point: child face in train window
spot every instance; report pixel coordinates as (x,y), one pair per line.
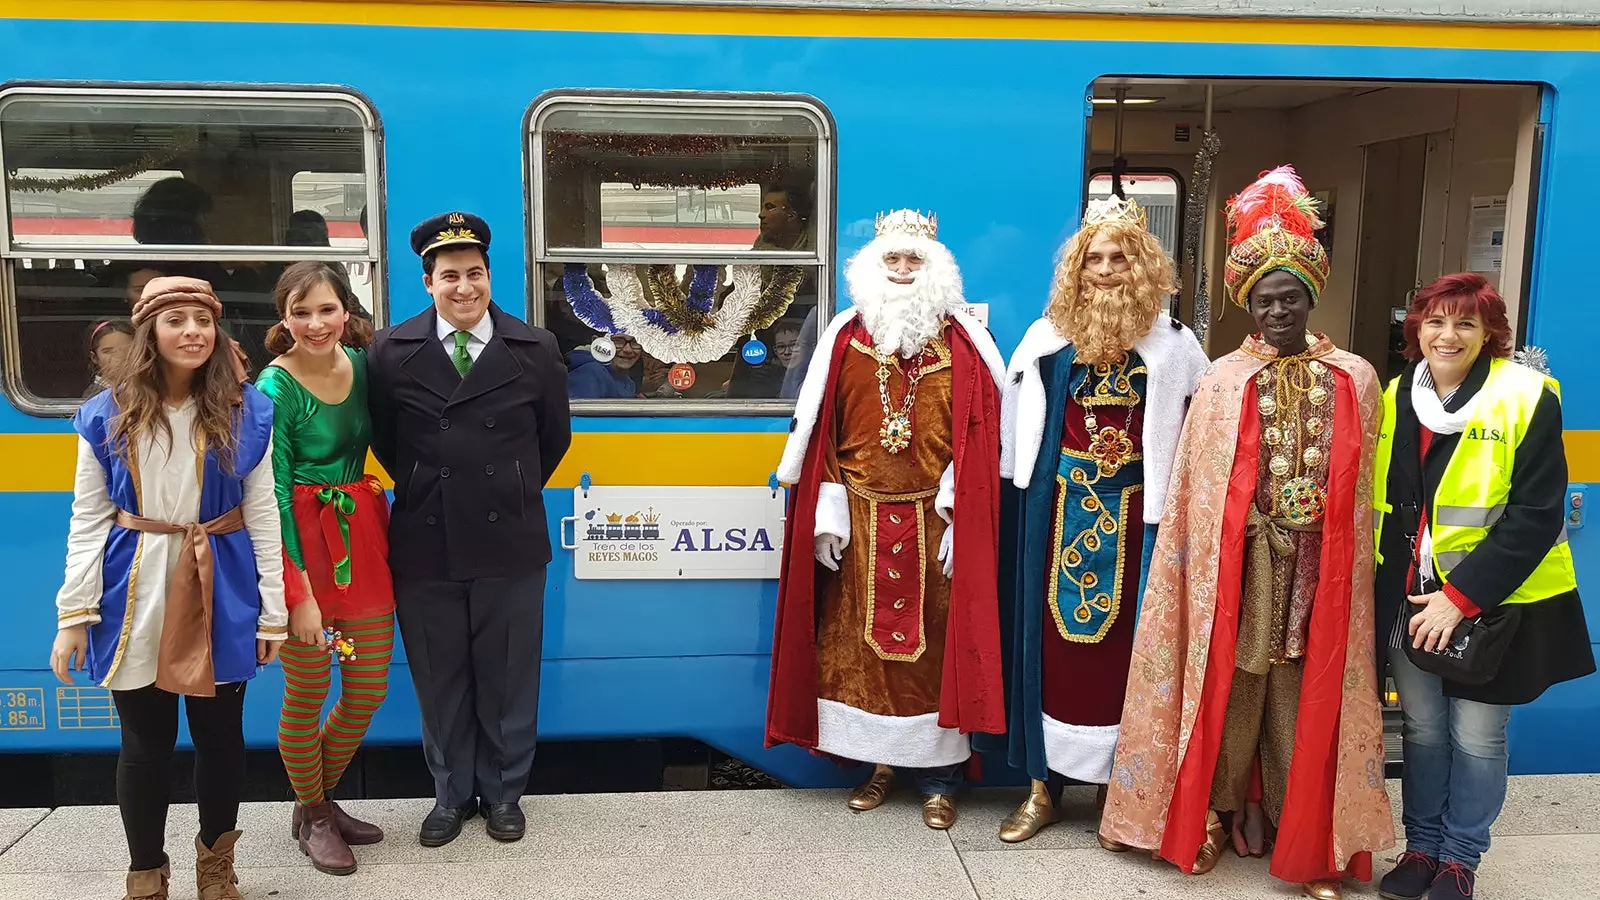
(110,349)
(628,352)
(185,336)
(136,282)
(317,319)
(786,347)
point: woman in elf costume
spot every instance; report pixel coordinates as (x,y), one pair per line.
(336,574)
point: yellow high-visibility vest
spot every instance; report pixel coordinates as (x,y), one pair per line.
(1476,484)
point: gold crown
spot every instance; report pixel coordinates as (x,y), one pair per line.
(652,515)
(613,517)
(1114,210)
(905,221)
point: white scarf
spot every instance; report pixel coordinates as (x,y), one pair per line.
(1431,413)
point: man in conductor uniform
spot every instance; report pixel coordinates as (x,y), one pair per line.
(469,415)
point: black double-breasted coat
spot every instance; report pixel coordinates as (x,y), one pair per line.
(469,456)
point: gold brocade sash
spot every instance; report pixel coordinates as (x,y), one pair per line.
(1264,602)
(183,663)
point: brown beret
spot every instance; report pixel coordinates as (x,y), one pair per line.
(173,290)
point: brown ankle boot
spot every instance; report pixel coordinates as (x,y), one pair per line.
(213,868)
(320,840)
(355,832)
(148,884)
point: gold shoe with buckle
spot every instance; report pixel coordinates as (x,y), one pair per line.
(1211,850)
(1322,890)
(938,812)
(1035,813)
(872,794)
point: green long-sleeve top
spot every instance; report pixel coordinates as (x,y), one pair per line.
(315,442)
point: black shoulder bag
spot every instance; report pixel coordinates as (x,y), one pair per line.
(1476,648)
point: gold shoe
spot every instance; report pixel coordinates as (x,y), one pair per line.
(938,812)
(1113,846)
(872,794)
(1322,890)
(1035,813)
(1211,850)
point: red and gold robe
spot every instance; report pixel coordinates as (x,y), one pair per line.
(887,660)
(1336,811)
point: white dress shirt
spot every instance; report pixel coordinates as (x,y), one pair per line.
(169,492)
(480,335)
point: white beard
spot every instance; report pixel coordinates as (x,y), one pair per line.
(903,318)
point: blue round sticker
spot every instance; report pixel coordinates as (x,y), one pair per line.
(754,352)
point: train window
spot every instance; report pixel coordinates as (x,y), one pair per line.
(106,187)
(680,246)
(1159,191)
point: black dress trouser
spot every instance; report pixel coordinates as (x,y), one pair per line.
(149,719)
(474,650)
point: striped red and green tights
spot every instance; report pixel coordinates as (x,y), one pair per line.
(315,753)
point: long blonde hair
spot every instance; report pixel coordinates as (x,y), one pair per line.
(138,388)
(1103,329)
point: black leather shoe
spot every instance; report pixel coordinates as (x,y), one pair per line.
(1410,878)
(444,824)
(505,821)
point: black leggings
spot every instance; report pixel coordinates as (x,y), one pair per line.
(149,732)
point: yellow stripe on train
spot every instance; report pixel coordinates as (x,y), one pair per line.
(789,22)
(43,462)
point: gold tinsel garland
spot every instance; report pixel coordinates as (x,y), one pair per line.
(153,160)
(608,154)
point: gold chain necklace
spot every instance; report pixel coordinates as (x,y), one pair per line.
(895,433)
(1111,447)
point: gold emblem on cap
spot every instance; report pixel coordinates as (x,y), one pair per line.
(454,234)
(457,219)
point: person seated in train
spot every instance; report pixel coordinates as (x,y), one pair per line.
(336,546)
(307,228)
(1251,691)
(108,343)
(174,572)
(1470,487)
(1094,401)
(589,378)
(470,417)
(764,380)
(887,640)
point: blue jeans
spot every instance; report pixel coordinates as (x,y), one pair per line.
(1453,781)
(938,780)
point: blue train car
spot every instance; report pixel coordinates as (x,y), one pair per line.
(186,135)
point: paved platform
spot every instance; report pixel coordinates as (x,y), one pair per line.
(741,845)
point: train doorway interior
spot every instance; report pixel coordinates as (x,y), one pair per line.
(1416,180)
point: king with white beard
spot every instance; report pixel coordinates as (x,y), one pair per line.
(887,645)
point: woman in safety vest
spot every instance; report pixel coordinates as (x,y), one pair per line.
(1470,480)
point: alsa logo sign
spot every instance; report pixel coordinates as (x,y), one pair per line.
(700,532)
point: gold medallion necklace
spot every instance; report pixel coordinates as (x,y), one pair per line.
(895,433)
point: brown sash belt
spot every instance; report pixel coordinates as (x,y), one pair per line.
(183,663)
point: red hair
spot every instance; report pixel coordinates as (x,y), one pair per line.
(1462,294)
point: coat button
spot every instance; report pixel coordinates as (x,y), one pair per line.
(444,472)
(494,516)
(488,470)
(489,422)
(432,521)
(444,424)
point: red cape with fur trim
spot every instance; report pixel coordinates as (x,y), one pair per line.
(971,696)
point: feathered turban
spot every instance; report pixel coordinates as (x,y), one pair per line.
(1273,224)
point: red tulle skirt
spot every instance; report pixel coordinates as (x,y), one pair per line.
(360,588)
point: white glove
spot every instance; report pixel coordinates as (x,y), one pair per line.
(946,548)
(829,550)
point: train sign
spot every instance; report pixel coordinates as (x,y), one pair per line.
(628,532)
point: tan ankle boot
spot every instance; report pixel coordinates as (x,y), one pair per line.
(148,884)
(214,878)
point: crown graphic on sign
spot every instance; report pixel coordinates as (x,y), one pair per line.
(652,515)
(613,517)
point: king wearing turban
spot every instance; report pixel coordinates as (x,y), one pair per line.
(1251,704)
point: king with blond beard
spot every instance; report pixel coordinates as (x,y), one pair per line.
(1094,402)
(887,643)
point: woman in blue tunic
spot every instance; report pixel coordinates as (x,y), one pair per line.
(174,572)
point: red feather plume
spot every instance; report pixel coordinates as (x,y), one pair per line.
(1277,198)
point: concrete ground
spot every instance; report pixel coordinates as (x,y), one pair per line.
(788,844)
